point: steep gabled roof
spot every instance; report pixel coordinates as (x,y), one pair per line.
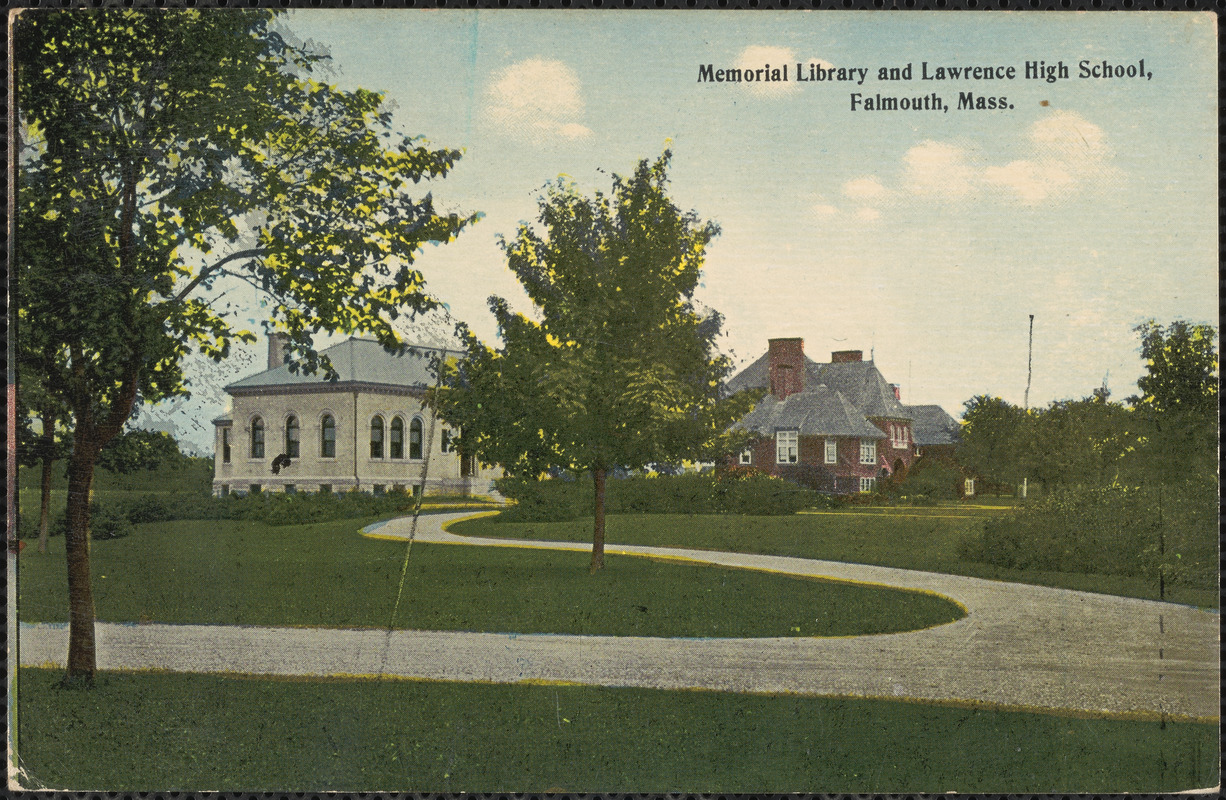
(817,411)
(932,426)
(859,382)
(862,384)
(757,375)
(356,361)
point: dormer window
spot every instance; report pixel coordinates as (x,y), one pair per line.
(746,457)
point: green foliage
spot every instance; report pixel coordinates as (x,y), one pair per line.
(136,157)
(996,439)
(1181,368)
(621,370)
(141,450)
(1111,530)
(106,521)
(931,479)
(736,491)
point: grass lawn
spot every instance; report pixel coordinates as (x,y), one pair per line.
(325,574)
(158,731)
(911,538)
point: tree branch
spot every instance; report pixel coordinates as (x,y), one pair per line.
(208,271)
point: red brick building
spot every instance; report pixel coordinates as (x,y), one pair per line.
(839,427)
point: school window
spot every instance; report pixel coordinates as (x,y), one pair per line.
(225,445)
(380,488)
(225,490)
(445,445)
(291,437)
(327,437)
(325,488)
(868,452)
(747,456)
(257,438)
(415,438)
(291,488)
(868,484)
(787,447)
(396,440)
(255,488)
(832,451)
(376,437)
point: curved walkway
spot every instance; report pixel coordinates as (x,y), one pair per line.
(1021,646)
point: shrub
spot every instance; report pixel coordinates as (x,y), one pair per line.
(27,526)
(147,508)
(1112,530)
(105,522)
(929,480)
(736,490)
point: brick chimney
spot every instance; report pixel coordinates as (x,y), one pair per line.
(897,391)
(278,345)
(846,356)
(787,367)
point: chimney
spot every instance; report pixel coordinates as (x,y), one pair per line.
(846,356)
(897,391)
(787,367)
(278,346)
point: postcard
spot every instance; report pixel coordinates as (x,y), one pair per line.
(477,400)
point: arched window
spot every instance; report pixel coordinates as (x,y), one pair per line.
(257,438)
(291,437)
(327,437)
(396,443)
(376,437)
(415,438)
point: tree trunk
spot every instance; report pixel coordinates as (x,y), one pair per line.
(44,510)
(81,657)
(598,534)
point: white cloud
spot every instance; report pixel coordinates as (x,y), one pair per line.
(1067,152)
(938,169)
(573,130)
(866,189)
(826,212)
(537,98)
(759,56)
(1062,153)
(1030,181)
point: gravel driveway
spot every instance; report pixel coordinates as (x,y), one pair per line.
(1019,645)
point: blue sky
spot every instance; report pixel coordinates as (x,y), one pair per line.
(926,237)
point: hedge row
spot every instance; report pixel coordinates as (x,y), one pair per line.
(1113,530)
(117,514)
(734,491)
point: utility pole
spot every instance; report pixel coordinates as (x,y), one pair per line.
(1026,397)
(1029,362)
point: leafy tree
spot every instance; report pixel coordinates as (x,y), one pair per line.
(1178,402)
(141,450)
(1181,368)
(163,152)
(618,368)
(996,439)
(1082,442)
